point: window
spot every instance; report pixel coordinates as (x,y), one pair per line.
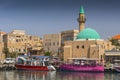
(83,46)
(16,40)
(49,44)
(30,37)
(77,46)
(45,44)
(53,43)
(57,43)
(19,50)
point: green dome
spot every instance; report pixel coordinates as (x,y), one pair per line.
(88,33)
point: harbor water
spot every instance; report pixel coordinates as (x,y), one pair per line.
(53,75)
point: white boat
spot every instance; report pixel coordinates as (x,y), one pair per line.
(117,65)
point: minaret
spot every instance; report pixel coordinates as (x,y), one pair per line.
(81,19)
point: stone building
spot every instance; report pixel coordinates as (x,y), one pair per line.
(68,35)
(114,54)
(87,44)
(111,56)
(2,55)
(18,41)
(116,41)
(52,43)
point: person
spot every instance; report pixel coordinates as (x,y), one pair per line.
(35,63)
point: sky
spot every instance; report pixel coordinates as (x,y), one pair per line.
(40,17)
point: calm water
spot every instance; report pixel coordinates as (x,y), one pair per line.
(40,75)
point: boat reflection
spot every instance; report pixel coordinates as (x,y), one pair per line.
(112,76)
(80,76)
(36,75)
(53,75)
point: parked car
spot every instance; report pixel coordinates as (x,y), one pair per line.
(9,61)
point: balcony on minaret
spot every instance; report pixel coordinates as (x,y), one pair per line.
(82,19)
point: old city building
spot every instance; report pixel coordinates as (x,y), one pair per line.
(18,41)
(52,43)
(68,35)
(55,42)
(87,44)
(114,54)
(116,41)
(2,55)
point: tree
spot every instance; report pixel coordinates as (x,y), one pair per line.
(47,53)
(6,51)
(13,54)
(115,42)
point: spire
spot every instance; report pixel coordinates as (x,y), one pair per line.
(81,10)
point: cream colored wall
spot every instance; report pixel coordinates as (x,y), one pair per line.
(68,51)
(51,41)
(92,49)
(20,42)
(1,47)
(2,55)
(69,33)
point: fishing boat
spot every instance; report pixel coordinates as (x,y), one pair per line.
(82,65)
(39,63)
(116,65)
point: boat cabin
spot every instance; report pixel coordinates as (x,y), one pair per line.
(82,61)
(33,61)
(117,62)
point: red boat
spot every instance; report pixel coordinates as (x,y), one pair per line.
(39,63)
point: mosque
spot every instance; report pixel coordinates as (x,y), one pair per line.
(87,44)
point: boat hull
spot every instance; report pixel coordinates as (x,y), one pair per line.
(28,67)
(117,68)
(80,68)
